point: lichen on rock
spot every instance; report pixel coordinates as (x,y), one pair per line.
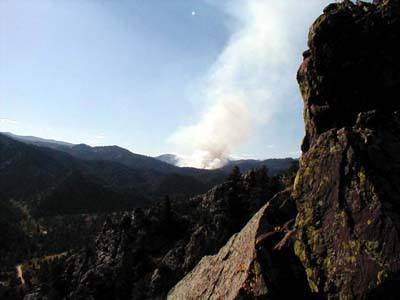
(347,188)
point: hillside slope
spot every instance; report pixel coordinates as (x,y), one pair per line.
(30,173)
(143,254)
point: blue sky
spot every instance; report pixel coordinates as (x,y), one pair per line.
(134,72)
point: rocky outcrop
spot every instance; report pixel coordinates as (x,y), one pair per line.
(256,263)
(352,65)
(146,253)
(347,189)
(228,274)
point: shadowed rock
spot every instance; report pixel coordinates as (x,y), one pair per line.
(347,189)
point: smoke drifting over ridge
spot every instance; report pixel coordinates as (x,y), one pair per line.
(244,88)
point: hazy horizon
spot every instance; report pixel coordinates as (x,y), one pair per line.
(198,79)
(232,157)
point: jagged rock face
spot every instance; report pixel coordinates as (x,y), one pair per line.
(250,266)
(347,189)
(352,65)
(144,255)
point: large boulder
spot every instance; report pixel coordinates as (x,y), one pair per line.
(347,190)
(256,263)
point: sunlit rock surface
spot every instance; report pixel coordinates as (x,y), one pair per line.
(253,264)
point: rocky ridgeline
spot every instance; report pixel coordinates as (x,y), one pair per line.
(146,253)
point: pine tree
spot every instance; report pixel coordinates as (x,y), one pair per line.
(235,174)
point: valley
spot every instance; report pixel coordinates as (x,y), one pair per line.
(56,197)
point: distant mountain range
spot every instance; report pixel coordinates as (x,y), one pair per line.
(274,165)
(56,178)
(124,156)
(171,159)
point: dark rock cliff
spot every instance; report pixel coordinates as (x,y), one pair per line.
(347,189)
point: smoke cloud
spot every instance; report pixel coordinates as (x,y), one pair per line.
(245,86)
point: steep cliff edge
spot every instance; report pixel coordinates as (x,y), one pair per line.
(347,189)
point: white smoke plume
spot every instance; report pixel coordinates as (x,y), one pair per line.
(245,86)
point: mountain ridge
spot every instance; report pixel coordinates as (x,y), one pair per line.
(169,162)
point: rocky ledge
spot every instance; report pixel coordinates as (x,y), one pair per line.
(255,263)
